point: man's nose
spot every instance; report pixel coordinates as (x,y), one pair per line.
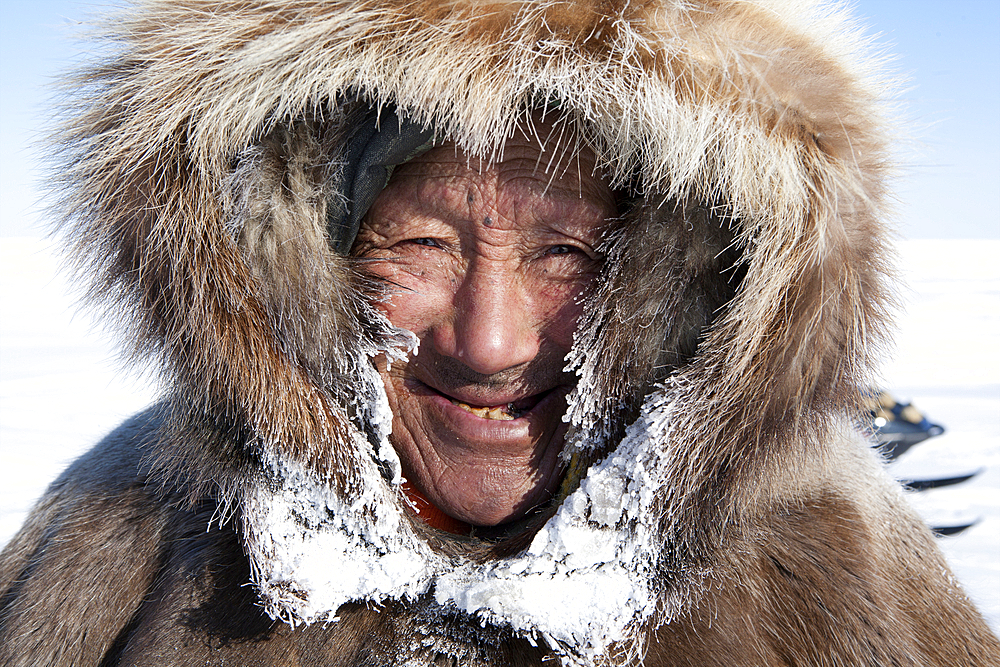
(493,326)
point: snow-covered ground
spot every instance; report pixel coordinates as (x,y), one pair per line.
(62,388)
(947,361)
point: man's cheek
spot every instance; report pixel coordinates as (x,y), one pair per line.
(560,312)
(418,300)
(411,310)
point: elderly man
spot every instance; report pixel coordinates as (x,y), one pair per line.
(491,334)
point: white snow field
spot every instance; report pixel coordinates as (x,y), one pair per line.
(62,388)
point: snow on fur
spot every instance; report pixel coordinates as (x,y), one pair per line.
(586,581)
(313,551)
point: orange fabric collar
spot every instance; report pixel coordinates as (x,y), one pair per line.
(431,515)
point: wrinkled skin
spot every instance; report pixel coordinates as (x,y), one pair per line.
(487,264)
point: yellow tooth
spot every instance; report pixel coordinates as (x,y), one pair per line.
(487,413)
(500,413)
(479,412)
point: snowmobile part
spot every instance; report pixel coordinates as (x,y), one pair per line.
(897,426)
(936,482)
(948,531)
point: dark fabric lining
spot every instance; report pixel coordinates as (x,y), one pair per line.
(379,141)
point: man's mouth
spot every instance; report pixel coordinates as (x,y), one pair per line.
(505,412)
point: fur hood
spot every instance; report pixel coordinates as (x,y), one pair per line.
(742,296)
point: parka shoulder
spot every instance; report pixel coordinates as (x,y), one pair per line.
(75,574)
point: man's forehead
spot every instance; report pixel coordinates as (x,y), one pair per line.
(524,167)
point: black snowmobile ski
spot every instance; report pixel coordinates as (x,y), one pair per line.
(948,531)
(936,482)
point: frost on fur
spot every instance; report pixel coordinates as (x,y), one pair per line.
(586,582)
(313,551)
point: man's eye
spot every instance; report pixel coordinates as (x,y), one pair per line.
(425,241)
(570,249)
(561,250)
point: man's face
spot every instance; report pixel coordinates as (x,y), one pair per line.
(487,263)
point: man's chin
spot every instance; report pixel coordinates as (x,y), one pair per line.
(492,498)
(480,471)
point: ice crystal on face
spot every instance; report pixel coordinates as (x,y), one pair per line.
(369,399)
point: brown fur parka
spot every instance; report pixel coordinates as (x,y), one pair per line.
(722,505)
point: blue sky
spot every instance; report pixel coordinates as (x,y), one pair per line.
(948,51)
